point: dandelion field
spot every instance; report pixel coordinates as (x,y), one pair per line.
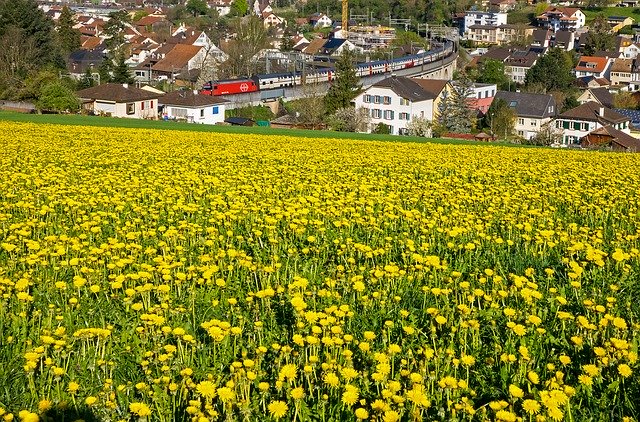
(159,275)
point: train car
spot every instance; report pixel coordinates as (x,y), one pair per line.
(278,80)
(229,86)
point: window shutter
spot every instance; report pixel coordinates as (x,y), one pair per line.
(142,105)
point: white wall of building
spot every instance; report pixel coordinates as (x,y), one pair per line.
(385,106)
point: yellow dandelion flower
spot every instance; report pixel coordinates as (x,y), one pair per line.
(278,409)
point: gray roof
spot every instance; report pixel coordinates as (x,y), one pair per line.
(406,88)
(591,111)
(603,96)
(527,104)
(118,93)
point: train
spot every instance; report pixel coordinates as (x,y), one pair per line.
(268,81)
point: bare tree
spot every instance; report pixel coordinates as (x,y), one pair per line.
(250,39)
(18,55)
(309,109)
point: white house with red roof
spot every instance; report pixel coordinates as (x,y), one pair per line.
(562,18)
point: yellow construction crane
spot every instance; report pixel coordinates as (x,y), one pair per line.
(345,16)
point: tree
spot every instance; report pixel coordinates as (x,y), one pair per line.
(547,136)
(57,97)
(239,7)
(309,110)
(419,126)
(350,119)
(381,129)
(500,118)
(405,38)
(346,85)
(492,72)
(599,37)
(121,71)
(114,31)
(251,37)
(455,112)
(68,36)
(197,7)
(625,99)
(86,81)
(552,71)
(34,26)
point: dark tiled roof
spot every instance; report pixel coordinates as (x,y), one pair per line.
(406,88)
(189,99)
(432,86)
(603,95)
(618,137)
(116,92)
(527,104)
(497,54)
(591,112)
(522,59)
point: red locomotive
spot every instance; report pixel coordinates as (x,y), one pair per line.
(230,86)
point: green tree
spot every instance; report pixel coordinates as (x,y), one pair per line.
(57,97)
(197,7)
(346,85)
(455,112)
(121,71)
(35,27)
(599,37)
(105,71)
(86,81)
(500,118)
(625,99)
(405,38)
(68,36)
(239,7)
(114,31)
(553,71)
(492,72)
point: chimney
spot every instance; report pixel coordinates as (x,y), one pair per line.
(601,112)
(126,86)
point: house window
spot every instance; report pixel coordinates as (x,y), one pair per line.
(388,114)
(520,121)
(216,110)
(387,100)
(550,109)
(534,123)
(131,108)
(202,112)
(179,112)
(565,124)
(376,113)
(376,99)
(404,101)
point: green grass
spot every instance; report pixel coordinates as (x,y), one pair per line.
(79,120)
(633,12)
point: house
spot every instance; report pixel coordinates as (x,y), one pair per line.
(335,47)
(474,17)
(601,96)
(320,20)
(592,82)
(532,110)
(541,38)
(593,66)
(482,96)
(518,64)
(619,22)
(151,23)
(502,5)
(394,101)
(270,19)
(120,100)
(501,34)
(81,60)
(179,58)
(262,6)
(630,50)
(580,121)
(561,18)
(610,139)
(223,7)
(189,36)
(194,108)
(621,71)
(565,40)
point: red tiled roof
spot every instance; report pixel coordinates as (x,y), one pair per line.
(599,62)
(177,58)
